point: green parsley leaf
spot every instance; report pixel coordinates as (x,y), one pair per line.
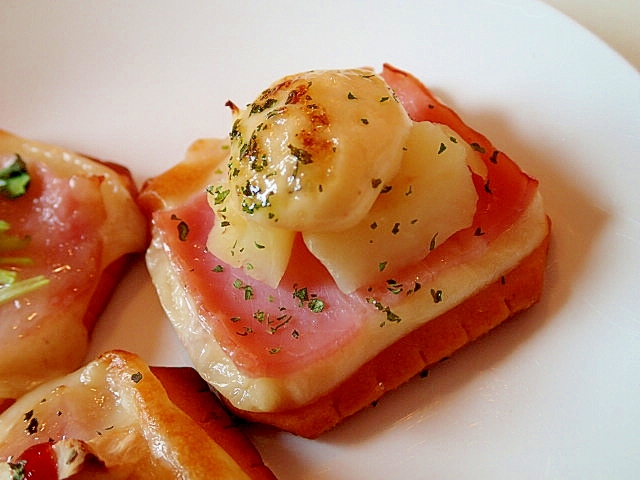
(437,295)
(301,294)
(477,147)
(248,290)
(17,470)
(316,305)
(219,195)
(14,179)
(183,230)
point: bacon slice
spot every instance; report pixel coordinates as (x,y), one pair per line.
(80,224)
(267,332)
(275,359)
(506,192)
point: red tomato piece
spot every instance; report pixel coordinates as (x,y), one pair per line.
(40,462)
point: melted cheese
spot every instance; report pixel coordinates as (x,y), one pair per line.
(293,149)
(262,250)
(271,394)
(81,405)
(27,357)
(120,410)
(124,229)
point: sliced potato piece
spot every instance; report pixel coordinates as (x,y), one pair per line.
(431,198)
(313,151)
(263,251)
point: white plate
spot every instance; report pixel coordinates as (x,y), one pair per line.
(553,394)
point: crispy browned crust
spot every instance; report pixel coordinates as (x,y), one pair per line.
(192,395)
(515,291)
(178,183)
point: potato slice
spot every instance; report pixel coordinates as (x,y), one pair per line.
(312,152)
(431,198)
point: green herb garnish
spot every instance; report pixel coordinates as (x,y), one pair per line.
(394,287)
(219,195)
(248,290)
(436,295)
(390,316)
(301,154)
(477,147)
(14,179)
(17,470)
(14,288)
(301,294)
(183,228)
(10,286)
(315,304)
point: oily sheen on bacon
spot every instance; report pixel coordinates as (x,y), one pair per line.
(275,349)
(77,224)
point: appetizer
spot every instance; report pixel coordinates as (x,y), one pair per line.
(118,418)
(68,227)
(351,232)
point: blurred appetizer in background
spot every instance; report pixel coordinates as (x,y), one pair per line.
(118,418)
(68,227)
(351,232)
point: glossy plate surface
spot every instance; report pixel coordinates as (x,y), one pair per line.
(552,394)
